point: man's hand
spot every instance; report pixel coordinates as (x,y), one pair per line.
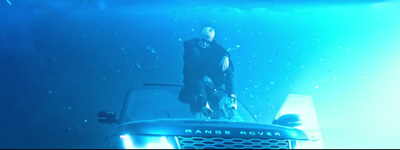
(224,63)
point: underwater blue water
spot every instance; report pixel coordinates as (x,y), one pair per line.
(63,61)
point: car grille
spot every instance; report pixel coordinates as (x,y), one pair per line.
(231,143)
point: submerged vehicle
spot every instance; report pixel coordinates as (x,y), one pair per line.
(152,117)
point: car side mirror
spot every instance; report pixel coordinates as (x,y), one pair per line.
(107,117)
(289,120)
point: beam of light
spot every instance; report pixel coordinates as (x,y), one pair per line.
(303,106)
(126,139)
(9,2)
(162,144)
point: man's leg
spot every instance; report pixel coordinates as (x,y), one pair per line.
(195,95)
(213,100)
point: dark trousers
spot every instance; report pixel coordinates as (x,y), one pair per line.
(197,94)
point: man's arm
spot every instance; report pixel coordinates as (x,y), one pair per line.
(227,68)
(230,88)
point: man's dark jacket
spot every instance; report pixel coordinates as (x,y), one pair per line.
(199,62)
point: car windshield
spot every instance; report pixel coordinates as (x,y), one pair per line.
(161,102)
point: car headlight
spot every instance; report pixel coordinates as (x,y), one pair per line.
(307,144)
(145,142)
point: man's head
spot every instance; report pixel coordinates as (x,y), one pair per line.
(208,33)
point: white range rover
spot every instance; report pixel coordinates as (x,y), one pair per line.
(152,117)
